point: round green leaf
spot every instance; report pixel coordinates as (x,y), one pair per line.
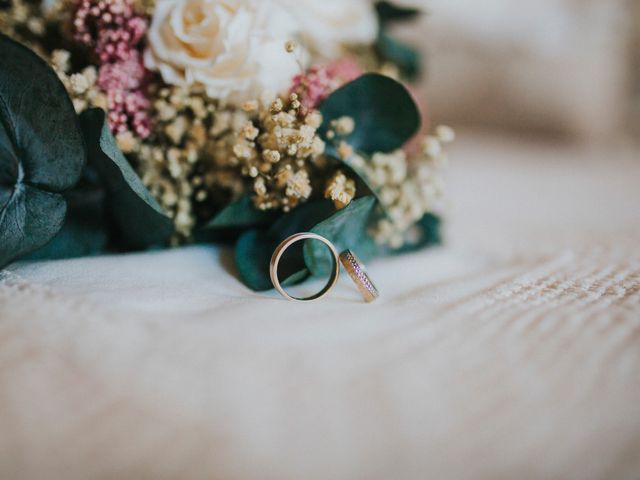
(255,247)
(405,57)
(240,214)
(385,115)
(390,12)
(84,231)
(346,229)
(41,151)
(253,253)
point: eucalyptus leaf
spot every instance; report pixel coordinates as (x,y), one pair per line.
(84,231)
(42,152)
(252,255)
(138,217)
(255,247)
(385,114)
(241,214)
(74,240)
(405,57)
(30,220)
(390,12)
(296,278)
(354,171)
(346,229)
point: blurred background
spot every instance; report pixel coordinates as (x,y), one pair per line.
(560,68)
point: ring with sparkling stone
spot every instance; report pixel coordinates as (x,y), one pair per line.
(358,274)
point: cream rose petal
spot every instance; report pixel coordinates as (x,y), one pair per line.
(234,48)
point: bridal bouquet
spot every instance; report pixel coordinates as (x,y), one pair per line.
(131,124)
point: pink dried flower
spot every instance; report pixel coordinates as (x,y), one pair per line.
(129,111)
(314,86)
(93,19)
(346,69)
(127,74)
(114,31)
(117,44)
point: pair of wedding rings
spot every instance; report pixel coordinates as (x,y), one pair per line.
(351,263)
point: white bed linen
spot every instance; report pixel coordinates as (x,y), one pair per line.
(511,352)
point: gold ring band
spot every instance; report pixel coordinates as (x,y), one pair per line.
(279,251)
(358,274)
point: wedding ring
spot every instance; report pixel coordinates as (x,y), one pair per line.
(358,274)
(279,251)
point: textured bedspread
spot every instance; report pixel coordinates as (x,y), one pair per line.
(511,352)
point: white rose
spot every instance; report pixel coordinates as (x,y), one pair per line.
(235,48)
(329,25)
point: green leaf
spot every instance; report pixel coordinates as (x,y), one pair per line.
(405,57)
(385,115)
(355,172)
(30,219)
(255,247)
(389,12)
(252,256)
(84,232)
(138,217)
(296,278)
(241,214)
(41,151)
(346,229)
(72,241)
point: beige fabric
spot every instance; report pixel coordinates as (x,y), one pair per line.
(512,352)
(634,114)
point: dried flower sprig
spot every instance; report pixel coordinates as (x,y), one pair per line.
(113,31)
(82,86)
(201,156)
(277,149)
(410,188)
(316,84)
(340,189)
(171,160)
